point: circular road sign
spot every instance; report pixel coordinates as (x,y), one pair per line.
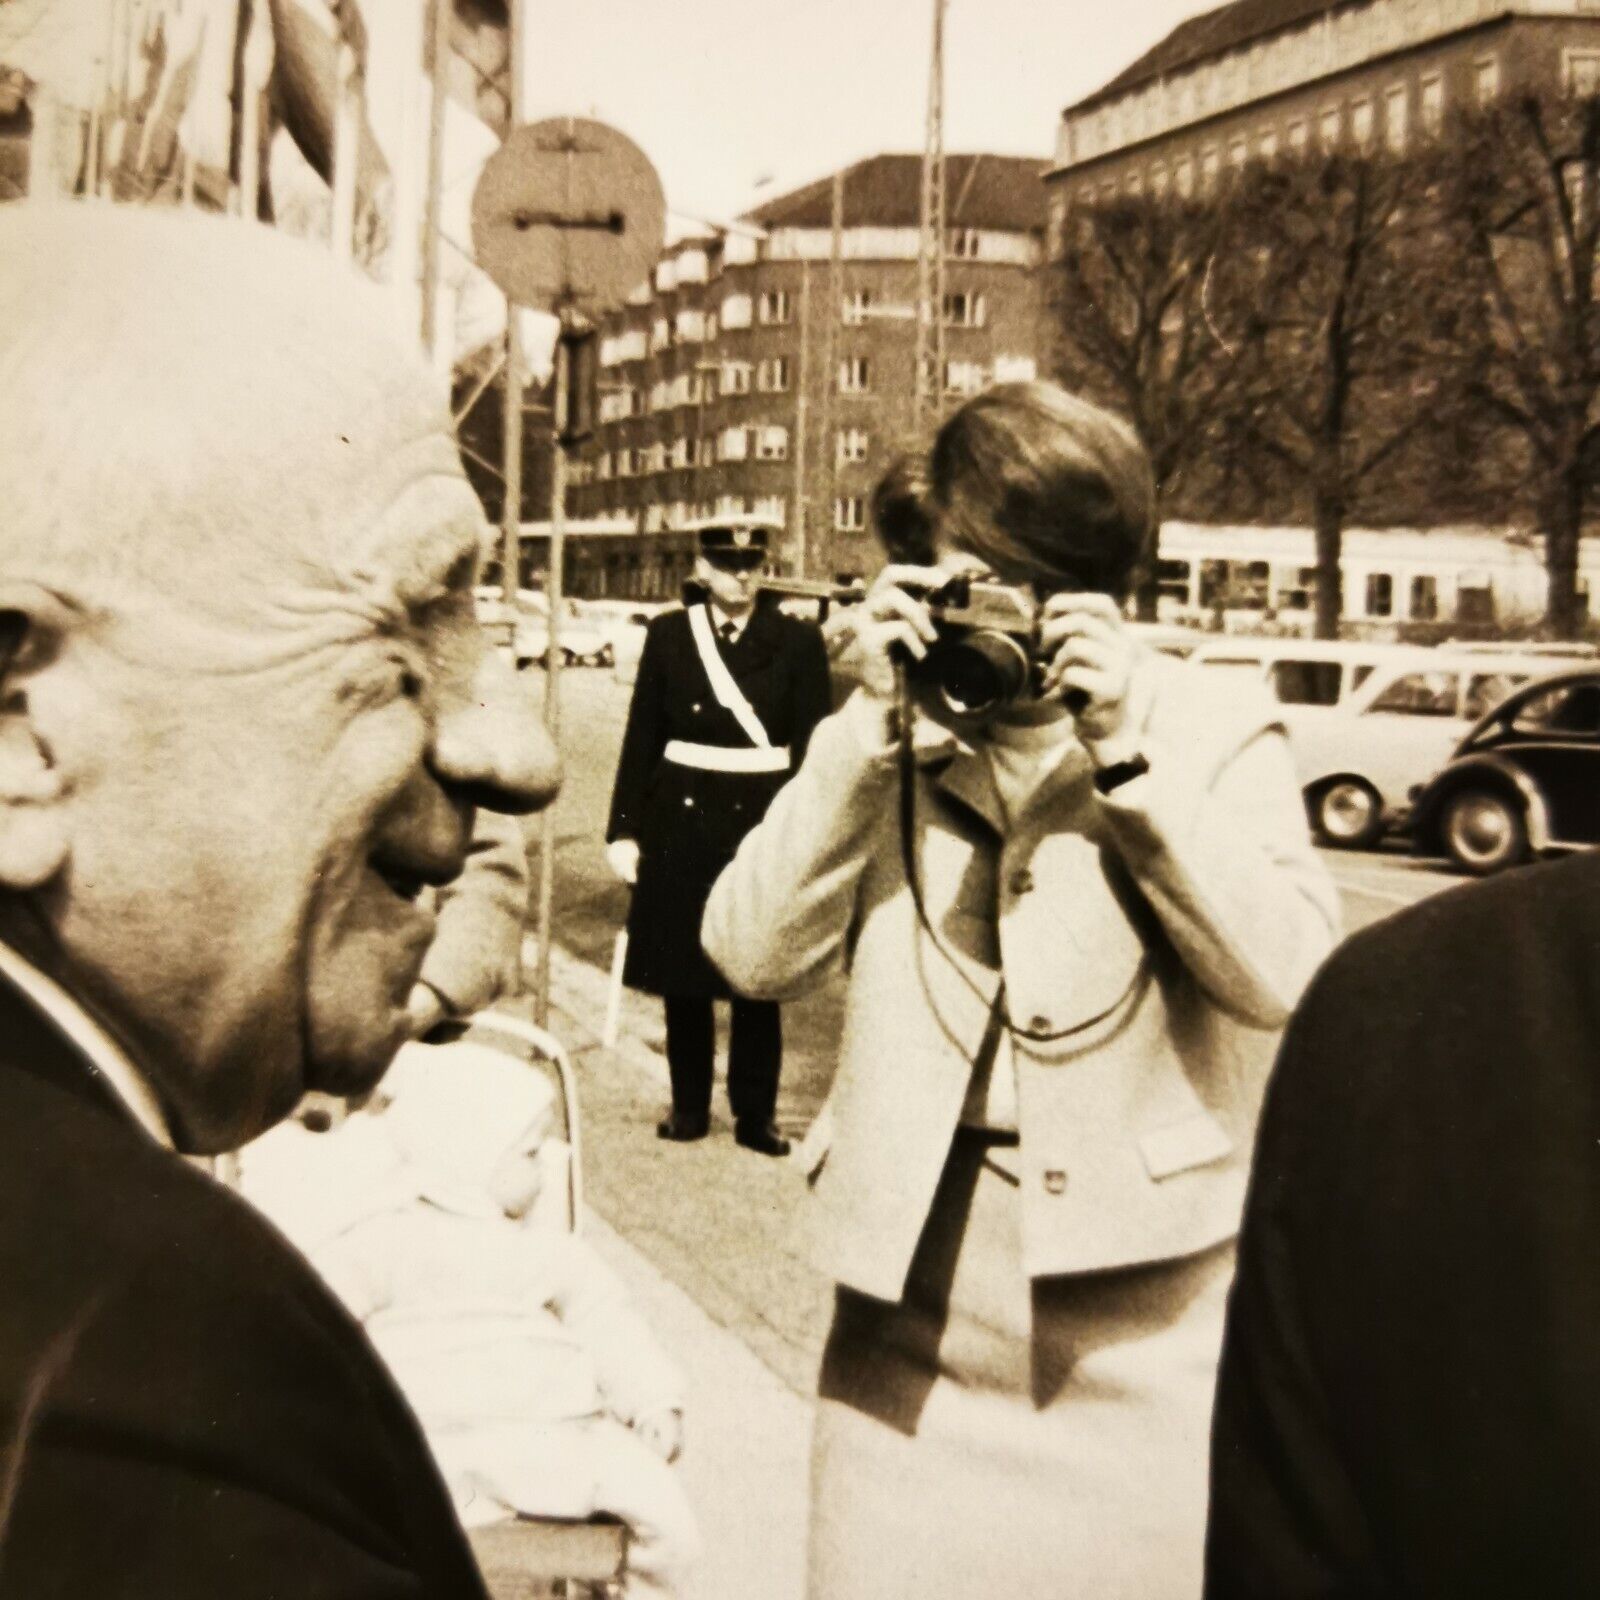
(568,215)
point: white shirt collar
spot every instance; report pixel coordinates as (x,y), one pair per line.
(720,620)
(101,1051)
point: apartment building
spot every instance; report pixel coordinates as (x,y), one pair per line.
(1262,77)
(768,368)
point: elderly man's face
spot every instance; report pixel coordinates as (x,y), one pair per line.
(265,791)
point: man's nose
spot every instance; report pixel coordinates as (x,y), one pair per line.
(490,743)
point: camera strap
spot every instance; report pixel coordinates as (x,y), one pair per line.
(907,764)
(724,690)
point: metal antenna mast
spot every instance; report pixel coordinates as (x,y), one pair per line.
(927,402)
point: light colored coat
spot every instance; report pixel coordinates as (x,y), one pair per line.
(1174,922)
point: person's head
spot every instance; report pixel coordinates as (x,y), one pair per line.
(246,710)
(729,563)
(1039,487)
(902,512)
(471,1122)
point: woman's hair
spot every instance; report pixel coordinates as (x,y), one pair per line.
(1043,485)
(902,513)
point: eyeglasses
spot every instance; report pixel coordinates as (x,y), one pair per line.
(735,560)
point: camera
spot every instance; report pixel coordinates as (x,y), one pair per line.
(987,650)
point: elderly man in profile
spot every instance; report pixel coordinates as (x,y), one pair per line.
(245,720)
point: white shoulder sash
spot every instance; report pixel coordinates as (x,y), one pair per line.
(723,687)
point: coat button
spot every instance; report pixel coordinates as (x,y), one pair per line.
(695,708)
(1021,881)
(688,799)
(1055,1181)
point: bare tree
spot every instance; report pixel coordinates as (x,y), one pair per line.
(1335,271)
(1136,333)
(1525,197)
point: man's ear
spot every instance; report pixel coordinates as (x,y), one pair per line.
(33,824)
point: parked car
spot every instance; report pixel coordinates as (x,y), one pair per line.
(580,638)
(626,634)
(1363,762)
(1524,781)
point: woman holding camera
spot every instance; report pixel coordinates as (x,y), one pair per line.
(1074,921)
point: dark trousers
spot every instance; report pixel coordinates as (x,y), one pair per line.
(755,1055)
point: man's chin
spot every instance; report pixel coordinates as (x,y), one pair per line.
(353,1062)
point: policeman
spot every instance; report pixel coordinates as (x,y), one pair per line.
(727,695)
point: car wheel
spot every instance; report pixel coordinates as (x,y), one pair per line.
(1347,814)
(1484,831)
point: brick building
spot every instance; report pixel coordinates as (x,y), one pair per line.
(1262,77)
(766,372)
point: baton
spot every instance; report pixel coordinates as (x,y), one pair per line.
(619,955)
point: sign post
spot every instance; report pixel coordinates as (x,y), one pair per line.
(568,217)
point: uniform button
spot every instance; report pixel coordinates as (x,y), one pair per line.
(695,708)
(1021,881)
(1055,1181)
(688,799)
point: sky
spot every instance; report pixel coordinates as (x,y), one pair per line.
(722,94)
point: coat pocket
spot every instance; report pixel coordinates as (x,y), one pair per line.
(1196,1141)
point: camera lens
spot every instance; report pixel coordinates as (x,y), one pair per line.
(979,672)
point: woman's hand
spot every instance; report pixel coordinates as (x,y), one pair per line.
(1092,657)
(891,619)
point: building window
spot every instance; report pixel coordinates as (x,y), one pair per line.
(1330,125)
(1580,72)
(855,375)
(964,244)
(1431,102)
(730,505)
(1267,147)
(736,377)
(1424,598)
(857,306)
(1299,136)
(1210,167)
(1158,180)
(776,308)
(1361,122)
(1380,594)
(1238,152)
(625,463)
(850,513)
(772,443)
(1395,110)
(735,312)
(1134,184)
(965,310)
(963,377)
(1183,177)
(771,508)
(772,375)
(1486,79)
(852,444)
(602,467)
(1015,369)
(733,444)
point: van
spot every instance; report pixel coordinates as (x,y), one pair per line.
(1304,672)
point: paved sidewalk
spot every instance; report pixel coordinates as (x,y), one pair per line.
(722,1224)
(745,1460)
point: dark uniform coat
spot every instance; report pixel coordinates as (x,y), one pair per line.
(688,822)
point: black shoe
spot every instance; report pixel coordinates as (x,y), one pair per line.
(682,1129)
(763,1138)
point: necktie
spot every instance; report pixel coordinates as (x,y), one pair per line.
(725,633)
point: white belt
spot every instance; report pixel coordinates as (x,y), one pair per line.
(728,758)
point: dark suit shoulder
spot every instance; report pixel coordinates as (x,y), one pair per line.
(169,1360)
